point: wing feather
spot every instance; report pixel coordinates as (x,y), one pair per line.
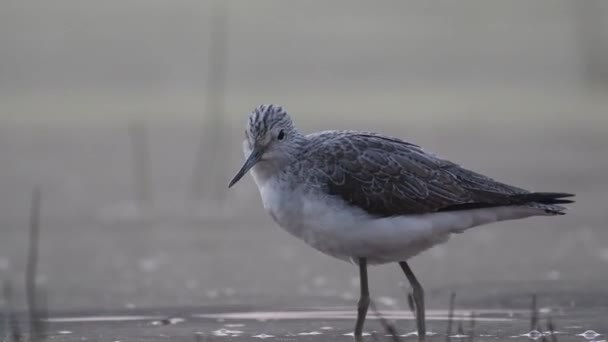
(386,177)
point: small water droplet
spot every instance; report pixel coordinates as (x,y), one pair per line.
(327,328)
(234,325)
(64,332)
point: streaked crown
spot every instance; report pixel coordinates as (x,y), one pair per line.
(265,118)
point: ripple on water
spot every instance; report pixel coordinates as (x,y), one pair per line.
(84,319)
(226,332)
(459,336)
(312,333)
(353,334)
(533,335)
(168,321)
(415,333)
(263,336)
(262,316)
(589,334)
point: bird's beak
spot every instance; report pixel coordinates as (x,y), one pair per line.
(253,158)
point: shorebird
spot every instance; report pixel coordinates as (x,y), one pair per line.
(368,198)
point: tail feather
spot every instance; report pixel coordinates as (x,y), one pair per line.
(544,197)
(547,201)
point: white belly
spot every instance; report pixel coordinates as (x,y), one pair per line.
(345,232)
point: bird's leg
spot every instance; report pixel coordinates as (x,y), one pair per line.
(364,299)
(418,299)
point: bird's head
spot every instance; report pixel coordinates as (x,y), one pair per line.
(270,136)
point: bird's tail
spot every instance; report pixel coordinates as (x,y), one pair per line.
(547,201)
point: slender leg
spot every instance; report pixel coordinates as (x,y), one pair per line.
(364,299)
(418,299)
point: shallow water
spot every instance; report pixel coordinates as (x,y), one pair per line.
(334,324)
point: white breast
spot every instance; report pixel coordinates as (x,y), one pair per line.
(271,198)
(346,232)
(335,228)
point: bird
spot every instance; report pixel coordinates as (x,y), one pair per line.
(372,199)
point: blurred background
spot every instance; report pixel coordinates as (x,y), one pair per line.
(128,115)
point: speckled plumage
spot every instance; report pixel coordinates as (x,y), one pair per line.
(361,194)
(373,199)
(386,176)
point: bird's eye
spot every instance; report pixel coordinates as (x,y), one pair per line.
(281,135)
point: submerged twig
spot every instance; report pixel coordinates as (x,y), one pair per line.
(450,316)
(460,328)
(471,332)
(3,322)
(35,314)
(534,314)
(388,327)
(373,335)
(551,329)
(14,331)
(411,303)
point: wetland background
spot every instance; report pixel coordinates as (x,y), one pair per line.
(128,116)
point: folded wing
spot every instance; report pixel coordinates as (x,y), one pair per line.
(387,177)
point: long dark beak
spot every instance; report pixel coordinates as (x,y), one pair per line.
(253,158)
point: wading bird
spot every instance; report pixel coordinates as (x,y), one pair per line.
(371,199)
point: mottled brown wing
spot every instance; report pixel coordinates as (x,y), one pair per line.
(387,177)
